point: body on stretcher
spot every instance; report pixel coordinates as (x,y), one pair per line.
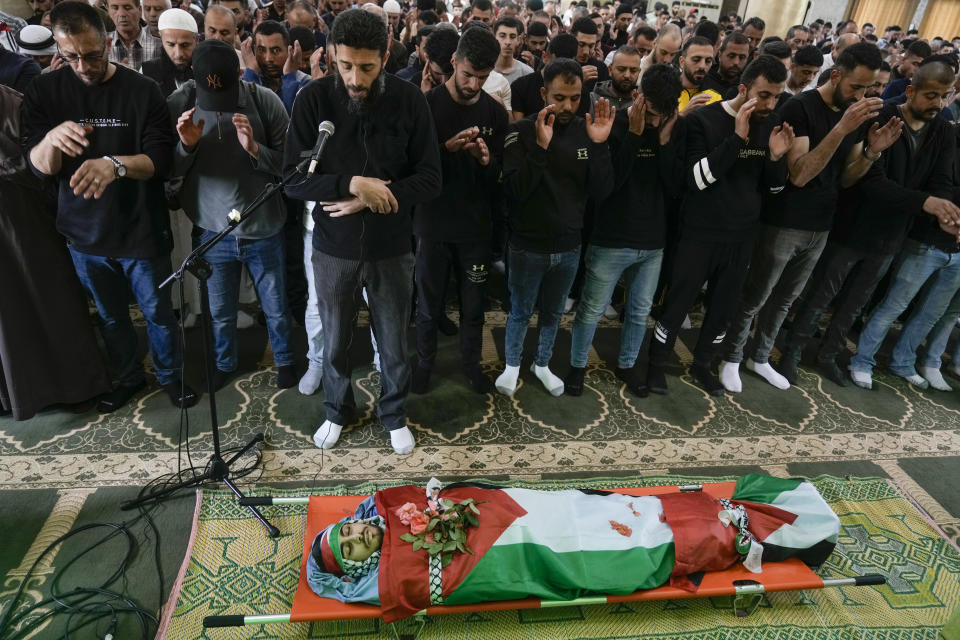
(744,586)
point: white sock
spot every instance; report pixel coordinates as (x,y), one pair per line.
(935,378)
(311,381)
(507,381)
(611,313)
(861,379)
(916,380)
(568,305)
(730,376)
(550,382)
(327,435)
(402,441)
(769,374)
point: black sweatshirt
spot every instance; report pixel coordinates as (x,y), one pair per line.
(727,177)
(395,140)
(646,175)
(548,188)
(129,117)
(925,228)
(462,212)
(877,212)
(812,206)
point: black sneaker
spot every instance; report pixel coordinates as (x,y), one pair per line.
(832,372)
(656,379)
(113,400)
(181,395)
(788,366)
(286,376)
(420,379)
(479,381)
(573,383)
(630,378)
(707,380)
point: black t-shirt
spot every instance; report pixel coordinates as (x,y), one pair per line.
(462,212)
(812,206)
(525,94)
(129,117)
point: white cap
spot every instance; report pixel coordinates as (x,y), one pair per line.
(391,6)
(177,19)
(36,40)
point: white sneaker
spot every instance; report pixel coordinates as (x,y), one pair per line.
(568,305)
(933,376)
(402,441)
(327,435)
(730,376)
(769,374)
(610,313)
(310,381)
(550,382)
(862,379)
(916,380)
(507,381)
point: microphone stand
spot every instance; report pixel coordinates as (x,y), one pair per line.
(218,469)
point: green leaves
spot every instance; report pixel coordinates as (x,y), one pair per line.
(446,532)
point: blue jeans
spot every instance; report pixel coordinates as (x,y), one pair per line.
(640,270)
(781,265)
(541,279)
(940,335)
(265,261)
(919,264)
(108,281)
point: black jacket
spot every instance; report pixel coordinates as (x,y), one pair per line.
(395,140)
(548,188)
(876,214)
(646,176)
(166,74)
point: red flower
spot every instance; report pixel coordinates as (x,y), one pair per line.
(406,512)
(428,538)
(419,522)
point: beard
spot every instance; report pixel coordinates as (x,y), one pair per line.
(840,102)
(924,116)
(357,106)
(464,94)
(623,87)
(564,117)
(694,77)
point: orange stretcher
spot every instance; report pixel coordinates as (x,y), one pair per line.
(745,587)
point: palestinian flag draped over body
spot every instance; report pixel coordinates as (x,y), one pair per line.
(567,544)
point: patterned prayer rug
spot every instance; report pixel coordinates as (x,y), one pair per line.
(232,567)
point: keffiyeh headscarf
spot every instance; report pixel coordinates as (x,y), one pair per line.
(330,558)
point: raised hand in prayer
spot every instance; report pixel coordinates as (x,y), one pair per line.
(781,139)
(599,125)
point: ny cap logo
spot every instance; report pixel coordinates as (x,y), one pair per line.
(213,81)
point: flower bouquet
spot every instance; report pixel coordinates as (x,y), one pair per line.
(441,528)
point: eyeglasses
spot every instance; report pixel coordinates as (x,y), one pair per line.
(88,58)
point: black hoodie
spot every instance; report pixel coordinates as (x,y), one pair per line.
(395,140)
(548,188)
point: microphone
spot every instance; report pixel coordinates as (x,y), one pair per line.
(325,130)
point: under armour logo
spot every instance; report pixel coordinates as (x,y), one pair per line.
(486,131)
(213,81)
(479,267)
(582,154)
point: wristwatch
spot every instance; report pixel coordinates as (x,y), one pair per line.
(874,158)
(119,170)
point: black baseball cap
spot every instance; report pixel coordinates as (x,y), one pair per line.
(216,70)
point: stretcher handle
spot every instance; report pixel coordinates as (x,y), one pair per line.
(870,579)
(223,621)
(266,501)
